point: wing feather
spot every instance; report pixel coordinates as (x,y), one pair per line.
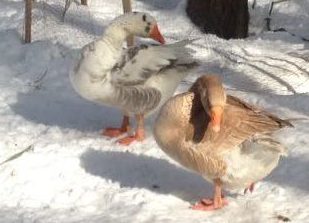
(241,121)
(140,63)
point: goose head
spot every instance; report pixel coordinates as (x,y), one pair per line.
(213,98)
(140,24)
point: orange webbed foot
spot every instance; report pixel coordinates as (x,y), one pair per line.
(209,205)
(113,132)
(139,136)
(126,140)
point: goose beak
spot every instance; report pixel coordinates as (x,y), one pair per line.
(216,117)
(156,35)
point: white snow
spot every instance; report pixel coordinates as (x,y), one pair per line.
(73,174)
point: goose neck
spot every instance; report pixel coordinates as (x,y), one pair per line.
(115,35)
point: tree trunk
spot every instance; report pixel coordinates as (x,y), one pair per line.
(28,20)
(225,18)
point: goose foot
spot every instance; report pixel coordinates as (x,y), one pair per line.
(250,188)
(139,132)
(115,132)
(209,204)
(139,136)
(212,204)
(127,140)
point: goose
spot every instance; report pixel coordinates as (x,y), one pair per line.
(137,80)
(226,140)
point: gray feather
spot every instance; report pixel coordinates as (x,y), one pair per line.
(137,99)
(138,64)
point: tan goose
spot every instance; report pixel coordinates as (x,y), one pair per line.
(226,140)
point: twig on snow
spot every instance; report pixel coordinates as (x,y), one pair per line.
(15,156)
(37,83)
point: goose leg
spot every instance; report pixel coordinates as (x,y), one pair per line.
(139,132)
(250,188)
(115,132)
(212,204)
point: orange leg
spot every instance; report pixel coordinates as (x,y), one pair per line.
(115,132)
(139,132)
(212,204)
(250,188)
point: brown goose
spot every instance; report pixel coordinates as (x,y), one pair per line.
(226,140)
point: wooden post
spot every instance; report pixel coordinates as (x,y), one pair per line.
(84,2)
(127,7)
(28,19)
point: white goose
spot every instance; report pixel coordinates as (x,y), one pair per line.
(138,80)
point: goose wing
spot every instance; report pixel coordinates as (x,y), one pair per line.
(138,64)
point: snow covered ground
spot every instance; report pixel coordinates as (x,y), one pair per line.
(70,173)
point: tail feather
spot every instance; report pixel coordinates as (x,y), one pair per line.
(270,143)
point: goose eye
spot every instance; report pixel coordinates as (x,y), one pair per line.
(144,18)
(147,29)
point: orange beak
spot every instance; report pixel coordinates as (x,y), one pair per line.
(216,117)
(156,35)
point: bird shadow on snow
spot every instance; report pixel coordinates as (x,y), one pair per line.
(140,171)
(292,172)
(161,176)
(47,109)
